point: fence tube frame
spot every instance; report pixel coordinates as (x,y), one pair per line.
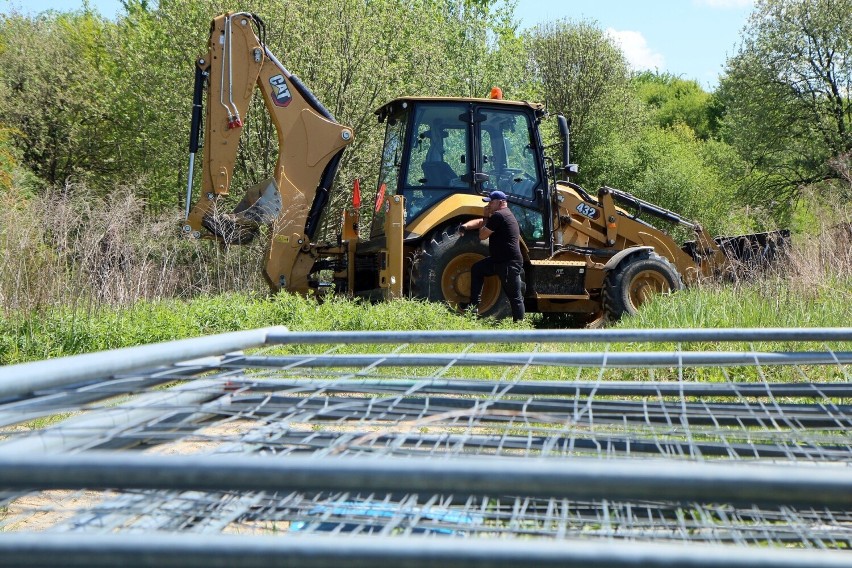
(577,478)
(334,551)
(25,378)
(567,336)
(612,359)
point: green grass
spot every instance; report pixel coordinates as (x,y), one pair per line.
(58,332)
(769,303)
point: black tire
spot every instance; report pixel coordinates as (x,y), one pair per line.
(628,285)
(440,272)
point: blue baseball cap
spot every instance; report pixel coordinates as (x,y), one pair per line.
(495,195)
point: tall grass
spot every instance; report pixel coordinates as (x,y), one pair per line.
(79,274)
(770,303)
(69,249)
(68,331)
(810,287)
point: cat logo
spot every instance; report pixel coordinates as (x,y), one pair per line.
(280,92)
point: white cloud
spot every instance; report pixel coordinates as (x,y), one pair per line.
(724,4)
(636,50)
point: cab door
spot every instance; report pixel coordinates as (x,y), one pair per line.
(508,152)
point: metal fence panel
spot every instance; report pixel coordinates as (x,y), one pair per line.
(435,448)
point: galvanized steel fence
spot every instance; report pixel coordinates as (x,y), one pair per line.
(616,447)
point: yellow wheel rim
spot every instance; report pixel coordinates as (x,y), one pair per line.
(455,283)
(646,284)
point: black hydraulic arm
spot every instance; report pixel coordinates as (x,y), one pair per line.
(643,206)
(201,74)
(197,96)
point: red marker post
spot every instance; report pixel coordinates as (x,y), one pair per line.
(356,194)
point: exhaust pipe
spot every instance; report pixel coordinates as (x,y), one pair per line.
(568,169)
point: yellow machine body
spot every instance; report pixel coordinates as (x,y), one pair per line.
(591,255)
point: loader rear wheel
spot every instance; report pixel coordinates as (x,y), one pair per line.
(635,281)
(441,273)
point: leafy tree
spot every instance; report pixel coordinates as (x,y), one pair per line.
(672,168)
(8,160)
(673,100)
(578,71)
(638,133)
(786,95)
(53,97)
(119,97)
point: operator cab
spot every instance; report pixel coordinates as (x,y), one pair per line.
(437,147)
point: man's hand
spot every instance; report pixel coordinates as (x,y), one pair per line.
(470,226)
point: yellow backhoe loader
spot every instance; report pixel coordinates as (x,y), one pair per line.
(586,254)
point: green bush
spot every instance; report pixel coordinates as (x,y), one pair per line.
(673,100)
(672,168)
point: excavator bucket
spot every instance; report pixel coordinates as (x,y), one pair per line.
(261,205)
(755,252)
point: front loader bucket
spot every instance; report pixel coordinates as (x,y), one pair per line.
(758,251)
(261,205)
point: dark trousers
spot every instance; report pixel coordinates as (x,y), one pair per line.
(510,276)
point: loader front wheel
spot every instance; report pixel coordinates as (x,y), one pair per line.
(635,281)
(441,273)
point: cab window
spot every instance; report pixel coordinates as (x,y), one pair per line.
(389,171)
(438,163)
(508,154)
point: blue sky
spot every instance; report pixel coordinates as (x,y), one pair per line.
(688,38)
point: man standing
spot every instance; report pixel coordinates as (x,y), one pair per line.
(505,260)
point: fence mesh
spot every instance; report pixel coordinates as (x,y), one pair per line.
(497,407)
